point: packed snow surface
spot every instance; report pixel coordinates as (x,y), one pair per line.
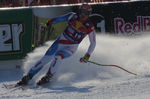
(75,80)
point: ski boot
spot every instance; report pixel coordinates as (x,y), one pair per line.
(25,80)
(46,79)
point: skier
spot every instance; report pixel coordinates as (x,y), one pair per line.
(66,44)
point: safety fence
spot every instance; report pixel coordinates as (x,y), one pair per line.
(16,3)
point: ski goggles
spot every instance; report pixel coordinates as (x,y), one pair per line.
(85,11)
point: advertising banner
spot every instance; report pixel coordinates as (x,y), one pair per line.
(125,18)
(16,31)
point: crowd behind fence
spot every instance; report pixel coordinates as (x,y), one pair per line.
(18,3)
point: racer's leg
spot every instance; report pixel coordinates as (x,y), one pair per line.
(59,56)
(46,59)
(39,65)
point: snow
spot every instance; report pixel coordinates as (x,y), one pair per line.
(75,80)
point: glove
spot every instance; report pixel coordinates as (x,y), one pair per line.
(85,58)
(49,22)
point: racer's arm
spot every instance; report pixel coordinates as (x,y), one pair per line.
(92,39)
(62,18)
(91,48)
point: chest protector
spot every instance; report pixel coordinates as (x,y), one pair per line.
(76,31)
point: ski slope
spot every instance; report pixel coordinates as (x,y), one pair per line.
(75,80)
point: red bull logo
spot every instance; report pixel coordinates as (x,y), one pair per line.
(142,23)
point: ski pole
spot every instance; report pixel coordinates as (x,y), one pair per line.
(112,66)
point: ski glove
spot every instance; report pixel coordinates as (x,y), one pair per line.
(85,58)
(49,22)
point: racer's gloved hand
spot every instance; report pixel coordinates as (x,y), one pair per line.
(49,22)
(85,58)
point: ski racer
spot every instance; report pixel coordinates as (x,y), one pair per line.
(79,26)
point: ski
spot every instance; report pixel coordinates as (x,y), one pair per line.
(9,86)
(14,87)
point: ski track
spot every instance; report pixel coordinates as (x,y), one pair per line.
(87,81)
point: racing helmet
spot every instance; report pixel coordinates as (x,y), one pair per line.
(86,9)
